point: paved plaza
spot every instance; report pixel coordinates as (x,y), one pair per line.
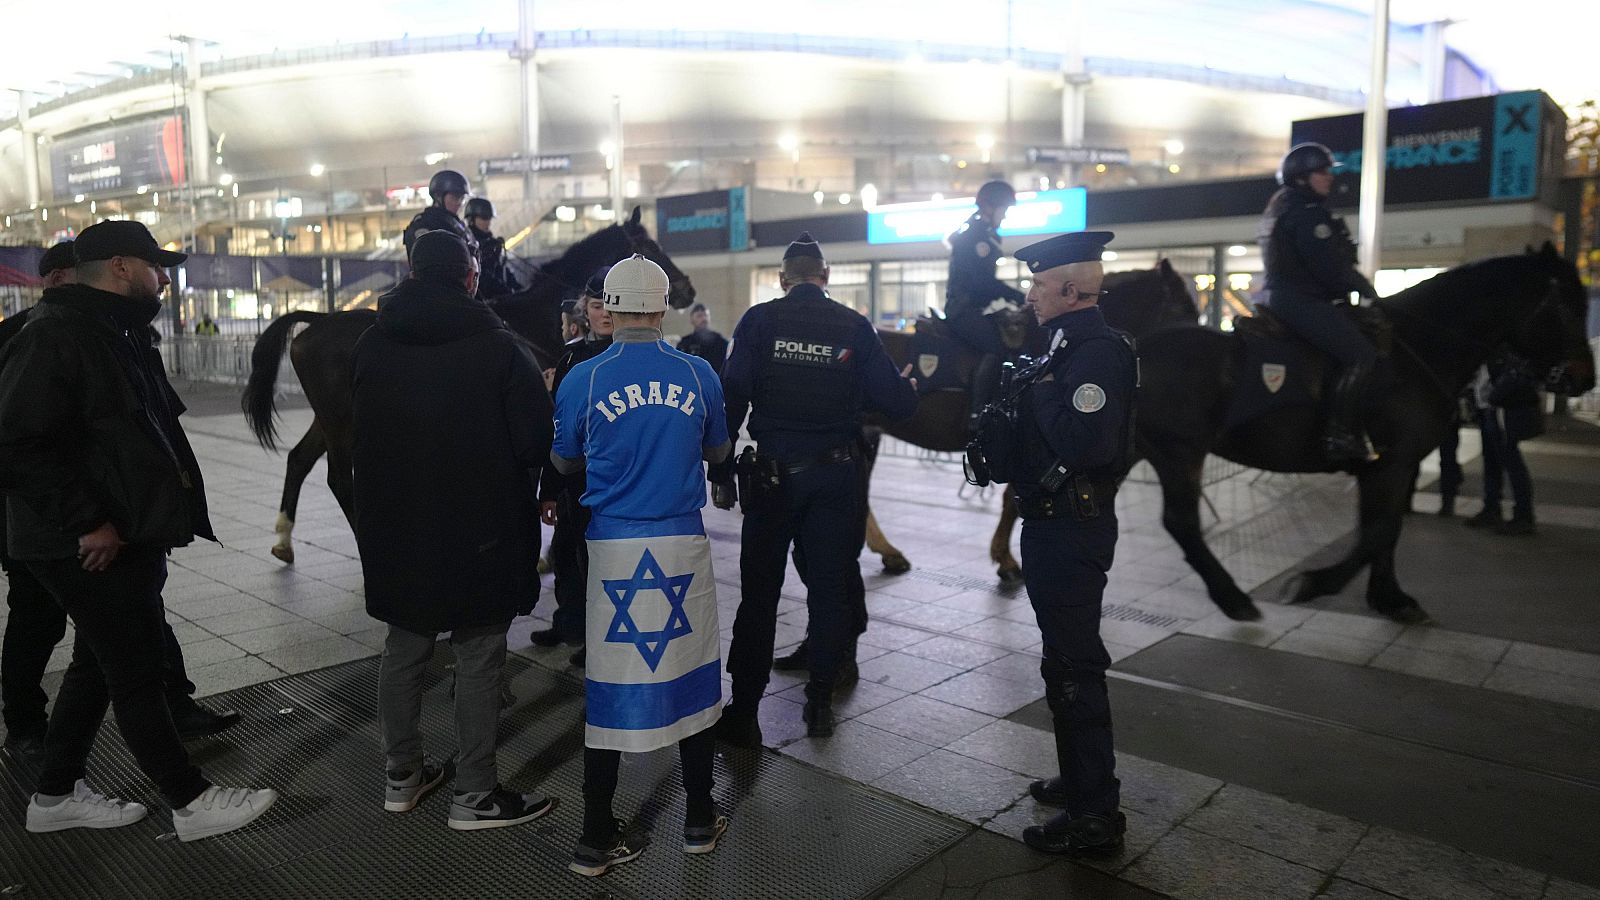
(1321,752)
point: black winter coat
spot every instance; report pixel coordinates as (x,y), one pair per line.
(89,430)
(452,424)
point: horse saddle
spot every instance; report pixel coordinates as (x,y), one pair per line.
(940,361)
(1277,369)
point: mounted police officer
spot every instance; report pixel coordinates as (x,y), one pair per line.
(449,191)
(495,278)
(1067,424)
(806,368)
(973,293)
(1311,273)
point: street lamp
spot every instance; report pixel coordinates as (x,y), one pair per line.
(317,169)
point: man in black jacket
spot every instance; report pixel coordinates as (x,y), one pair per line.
(100,483)
(447,545)
(37,623)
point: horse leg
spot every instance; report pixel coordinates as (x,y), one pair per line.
(1384,497)
(1000,545)
(1180,514)
(342,480)
(301,460)
(894,562)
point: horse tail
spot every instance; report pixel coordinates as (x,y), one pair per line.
(260,393)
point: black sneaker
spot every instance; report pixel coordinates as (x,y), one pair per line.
(1516,526)
(819,719)
(849,676)
(405,788)
(1077,835)
(1050,792)
(195,721)
(594,861)
(1488,517)
(738,729)
(499,808)
(27,749)
(703,838)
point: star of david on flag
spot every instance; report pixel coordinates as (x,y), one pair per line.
(648,576)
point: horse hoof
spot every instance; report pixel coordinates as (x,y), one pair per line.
(1301,589)
(896,565)
(1010,576)
(544,565)
(1246,611)
(284,553)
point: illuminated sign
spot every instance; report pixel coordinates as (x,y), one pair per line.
(119,158)
(1045,212)
(706,222)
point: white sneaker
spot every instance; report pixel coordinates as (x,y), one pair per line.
(220,810)
(83,808)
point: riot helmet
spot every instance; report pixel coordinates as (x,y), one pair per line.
(479,208)
(1302,160)
(997,193)
(447,181)
(636,285)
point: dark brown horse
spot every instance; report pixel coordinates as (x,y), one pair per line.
(1444,328)
(1135,302)
(323,356)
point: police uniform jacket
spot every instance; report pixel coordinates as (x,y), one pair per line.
(551,482)
(437,218)
(708,345)
(974,249)
(1078,409)
(494,275)
(1307,252)
(811,368)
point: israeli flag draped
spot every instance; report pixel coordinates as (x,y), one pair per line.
(654,667)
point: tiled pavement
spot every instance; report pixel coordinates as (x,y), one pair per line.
(947,658)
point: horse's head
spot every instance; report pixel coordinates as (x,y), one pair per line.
(1140,300)
(640,241)
(1552,336)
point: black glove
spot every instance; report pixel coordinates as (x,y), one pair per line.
(724,494)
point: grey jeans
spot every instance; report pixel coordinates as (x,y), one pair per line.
(480,655)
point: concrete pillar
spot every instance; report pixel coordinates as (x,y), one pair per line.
(30,148)
(528,70)
(1375,145)
(1433,60)
(1075,86)
(199,127)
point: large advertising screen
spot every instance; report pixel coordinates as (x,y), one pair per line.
(1485,148)
(712,221)
(1044,212)
(120,157)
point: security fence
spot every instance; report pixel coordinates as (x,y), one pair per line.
(224,359)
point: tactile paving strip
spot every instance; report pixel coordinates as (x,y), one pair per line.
(797,832)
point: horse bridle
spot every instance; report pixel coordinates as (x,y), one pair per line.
(1553,378)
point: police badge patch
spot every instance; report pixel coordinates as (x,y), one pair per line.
(927,364)
(1272,375)
(1322,231)
(1088,398)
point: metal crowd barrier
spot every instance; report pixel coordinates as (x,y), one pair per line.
(224,359)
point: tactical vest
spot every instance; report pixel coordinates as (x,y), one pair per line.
(808,379)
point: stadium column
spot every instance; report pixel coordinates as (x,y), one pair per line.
(528,67)
(1074,87)
(1374,145)
(30,147)
(199,127)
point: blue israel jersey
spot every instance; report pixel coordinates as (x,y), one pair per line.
(642,414)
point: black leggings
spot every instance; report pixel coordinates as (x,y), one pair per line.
(600,785)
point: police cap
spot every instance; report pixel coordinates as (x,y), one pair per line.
(57,257)
(596,286)
(804,246)
(1065,249)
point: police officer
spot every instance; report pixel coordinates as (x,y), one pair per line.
(495,278)
(558,493)
(449,191)
(1310,273)
(1075,418)
(972,292)
(806,369)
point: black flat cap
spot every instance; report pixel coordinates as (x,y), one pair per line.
(596,286)
(1065,249)
(103,240)
(440,250)
(58,257)
(804,245)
